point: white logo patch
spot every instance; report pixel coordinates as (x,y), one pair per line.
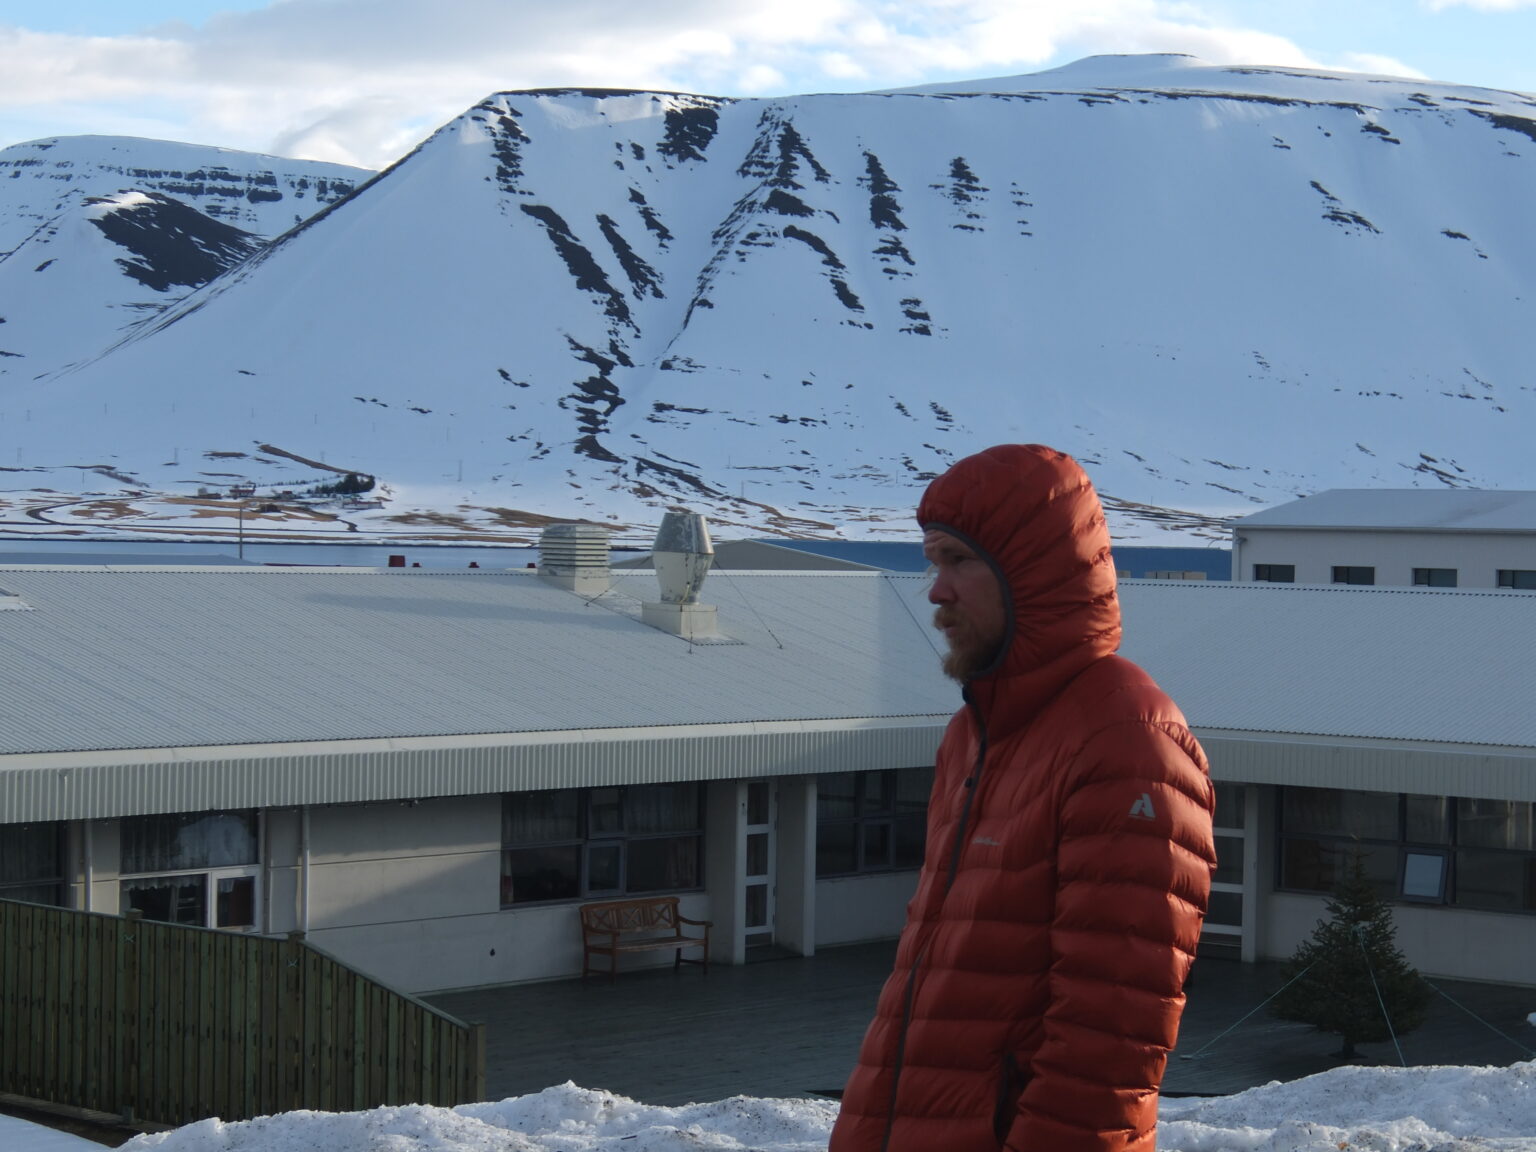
(1142,809)
(987,842)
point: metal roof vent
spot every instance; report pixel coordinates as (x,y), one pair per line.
(682,555)
(10,602)
(575,557)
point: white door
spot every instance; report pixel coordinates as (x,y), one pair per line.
(758,871)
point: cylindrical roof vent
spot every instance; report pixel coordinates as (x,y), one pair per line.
(575,557)
(682,555)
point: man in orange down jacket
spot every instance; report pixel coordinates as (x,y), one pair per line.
(1039,979)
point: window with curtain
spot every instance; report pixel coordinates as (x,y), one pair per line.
(195,868)
(185,840)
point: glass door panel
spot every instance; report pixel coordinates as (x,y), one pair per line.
(235,902)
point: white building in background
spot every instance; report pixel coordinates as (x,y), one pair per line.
(1436,538)
(426,772)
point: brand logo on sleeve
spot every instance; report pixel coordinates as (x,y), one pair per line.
(1142,809)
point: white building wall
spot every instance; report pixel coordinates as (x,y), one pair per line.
(1477,557)
(502,947)
(853,909)
(103,856)
(795,881)
(411,895)
(392,862)
(1438,941)
(725,810)
(282,880)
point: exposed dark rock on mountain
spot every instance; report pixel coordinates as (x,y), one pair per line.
(170,244)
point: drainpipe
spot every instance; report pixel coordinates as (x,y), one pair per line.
(265,824)
(87,845)
(304,869)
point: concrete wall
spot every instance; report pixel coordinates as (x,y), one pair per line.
(388,863)
(103,851)
(470,951)
(852,909)
(1314,551)
(725,810)
(411,894)
(1437,940)
(795,878)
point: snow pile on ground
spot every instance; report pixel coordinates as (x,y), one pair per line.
(1344,1110)
(17,1135)
(1424,1109)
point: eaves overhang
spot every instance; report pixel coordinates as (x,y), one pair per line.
(103,784)
(1485,771)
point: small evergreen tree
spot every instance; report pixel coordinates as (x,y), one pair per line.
(1356,942)
(352,484)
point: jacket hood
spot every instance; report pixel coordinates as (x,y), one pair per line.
(1033,513)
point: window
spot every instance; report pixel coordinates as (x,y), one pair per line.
(1496,855)
(1435,577)
(871,821)
(571,843)
(1425,849)
(196,868)
(1275,573)
(1344,574)
(32,863)
(1517,578)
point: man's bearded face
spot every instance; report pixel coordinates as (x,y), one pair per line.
(970,611)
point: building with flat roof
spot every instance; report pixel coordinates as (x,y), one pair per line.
(1437,538)
(427,771)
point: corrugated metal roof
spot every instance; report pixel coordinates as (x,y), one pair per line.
(1380,663)
(759,555)
(161,658)
(1428,509)
(177,659)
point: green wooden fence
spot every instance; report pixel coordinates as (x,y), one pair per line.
(166,1024)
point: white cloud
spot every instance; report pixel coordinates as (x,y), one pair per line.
(1480,5)
(359,81)
(761,78)
(1378,65)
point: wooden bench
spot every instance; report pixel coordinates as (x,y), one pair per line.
(644,924)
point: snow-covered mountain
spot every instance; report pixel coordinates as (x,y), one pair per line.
(98,232)
(256,193)
(1217,286)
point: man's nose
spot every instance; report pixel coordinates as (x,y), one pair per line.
(939,591)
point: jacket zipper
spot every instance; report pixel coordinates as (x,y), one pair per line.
(901,1049)
(971,786)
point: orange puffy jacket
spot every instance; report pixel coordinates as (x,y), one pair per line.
(1039,979)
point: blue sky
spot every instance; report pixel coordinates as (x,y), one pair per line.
(360,81)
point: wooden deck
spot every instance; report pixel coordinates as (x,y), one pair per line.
(792,1026)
